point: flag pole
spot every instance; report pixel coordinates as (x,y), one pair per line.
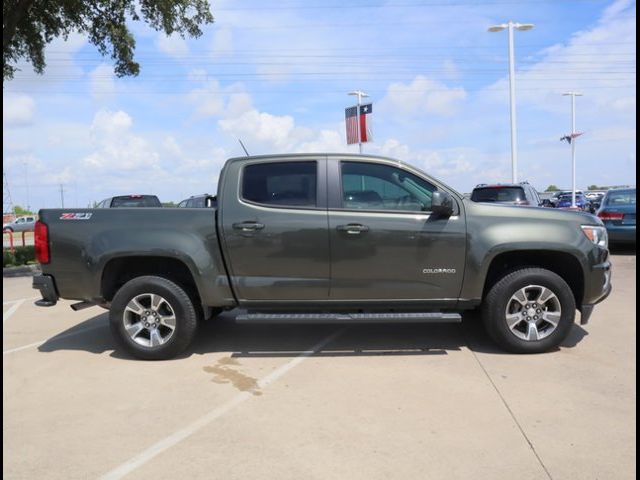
(573,136)
(359,94)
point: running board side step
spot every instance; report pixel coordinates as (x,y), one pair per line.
(429,317)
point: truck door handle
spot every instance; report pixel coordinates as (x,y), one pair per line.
(248,226)
(352,228)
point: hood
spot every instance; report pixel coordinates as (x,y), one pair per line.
(530,213)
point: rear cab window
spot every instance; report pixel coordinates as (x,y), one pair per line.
(136,201)
(281,184)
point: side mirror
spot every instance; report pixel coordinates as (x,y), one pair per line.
(442,204)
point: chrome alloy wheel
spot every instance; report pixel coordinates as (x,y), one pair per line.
(149,320)
(533,313)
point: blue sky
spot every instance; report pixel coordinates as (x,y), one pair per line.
(276,75)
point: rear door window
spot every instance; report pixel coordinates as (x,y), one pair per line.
(281,184)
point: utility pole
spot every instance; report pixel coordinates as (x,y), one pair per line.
(360,95)
(26,178)
(62,195)
(512,89)
(7,203)
(573,138)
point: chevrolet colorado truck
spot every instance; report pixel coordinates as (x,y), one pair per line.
(326,238)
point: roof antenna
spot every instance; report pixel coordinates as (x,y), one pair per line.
(245,150)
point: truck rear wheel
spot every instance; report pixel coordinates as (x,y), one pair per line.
(530,310)
(153,318)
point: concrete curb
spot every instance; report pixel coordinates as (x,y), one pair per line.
(21,271)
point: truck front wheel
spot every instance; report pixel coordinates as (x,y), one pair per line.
(153,318)
(530,310)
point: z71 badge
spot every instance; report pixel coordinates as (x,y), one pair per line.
(75,216)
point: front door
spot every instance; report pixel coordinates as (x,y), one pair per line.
(385,243)
(275,231)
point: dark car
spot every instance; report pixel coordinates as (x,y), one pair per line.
(128,201)
(508,193)
(595,200)
(618,212)
(565,201)
(199,201)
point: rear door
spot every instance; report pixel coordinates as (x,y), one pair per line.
(385,243)
(274,220)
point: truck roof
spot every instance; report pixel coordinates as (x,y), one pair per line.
(316,155)
(342,156)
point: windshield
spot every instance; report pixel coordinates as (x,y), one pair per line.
(498,194)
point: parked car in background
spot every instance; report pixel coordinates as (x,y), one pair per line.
(199,201)
(21,224)
(507,193)
(595,199)
(565,201)
(618,212)
(559,193)
(545,198)
(128,201)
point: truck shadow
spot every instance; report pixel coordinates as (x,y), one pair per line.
(256,340)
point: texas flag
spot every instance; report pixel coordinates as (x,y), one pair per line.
(358,122)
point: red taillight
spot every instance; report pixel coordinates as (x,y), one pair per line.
(42,242)
(610,215)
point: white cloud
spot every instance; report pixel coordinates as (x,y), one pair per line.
(117,149)
(213,100)
(262,128)
(423,96)
(222,44)
(102,83)
(174,46)
(18,110)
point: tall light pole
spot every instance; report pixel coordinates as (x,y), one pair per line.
(360,95)
(573,138)
(512,89)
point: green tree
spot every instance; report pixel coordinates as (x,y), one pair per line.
(18,210)
(552,188)
(593,187)
(168,204)
(29,25)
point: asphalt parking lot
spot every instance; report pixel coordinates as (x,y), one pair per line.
(291,402)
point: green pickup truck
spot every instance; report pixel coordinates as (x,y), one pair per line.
(326,238)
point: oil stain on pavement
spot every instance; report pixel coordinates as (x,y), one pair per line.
(224,373)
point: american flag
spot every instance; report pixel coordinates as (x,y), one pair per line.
(569,138)
(352,119)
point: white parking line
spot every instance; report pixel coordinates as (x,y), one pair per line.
(9,302)
(175,438)
(7,315)
(57,337)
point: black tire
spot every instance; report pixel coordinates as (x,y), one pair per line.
(495,305)
(186,317)
(8,230)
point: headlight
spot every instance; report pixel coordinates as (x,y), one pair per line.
(597,235)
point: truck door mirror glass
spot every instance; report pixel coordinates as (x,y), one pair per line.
(442,204)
